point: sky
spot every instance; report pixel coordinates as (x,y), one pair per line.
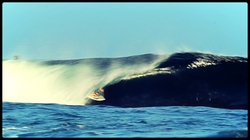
(52,31)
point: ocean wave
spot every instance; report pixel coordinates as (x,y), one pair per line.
(180,79)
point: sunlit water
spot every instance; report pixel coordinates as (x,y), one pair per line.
(55,120)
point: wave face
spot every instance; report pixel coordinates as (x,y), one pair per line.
(180,79)
(185,79)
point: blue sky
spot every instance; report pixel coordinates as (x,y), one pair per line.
(88,30)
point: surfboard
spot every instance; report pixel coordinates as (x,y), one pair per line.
(99,98)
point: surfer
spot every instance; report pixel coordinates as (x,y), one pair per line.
(97,95)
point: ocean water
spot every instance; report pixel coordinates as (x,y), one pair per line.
(183,95)
(28,120)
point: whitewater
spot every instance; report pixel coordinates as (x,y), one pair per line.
(188,95)
(64,83)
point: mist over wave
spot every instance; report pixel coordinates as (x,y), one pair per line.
(68,81)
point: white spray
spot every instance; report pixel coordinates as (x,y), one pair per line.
(34,82)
